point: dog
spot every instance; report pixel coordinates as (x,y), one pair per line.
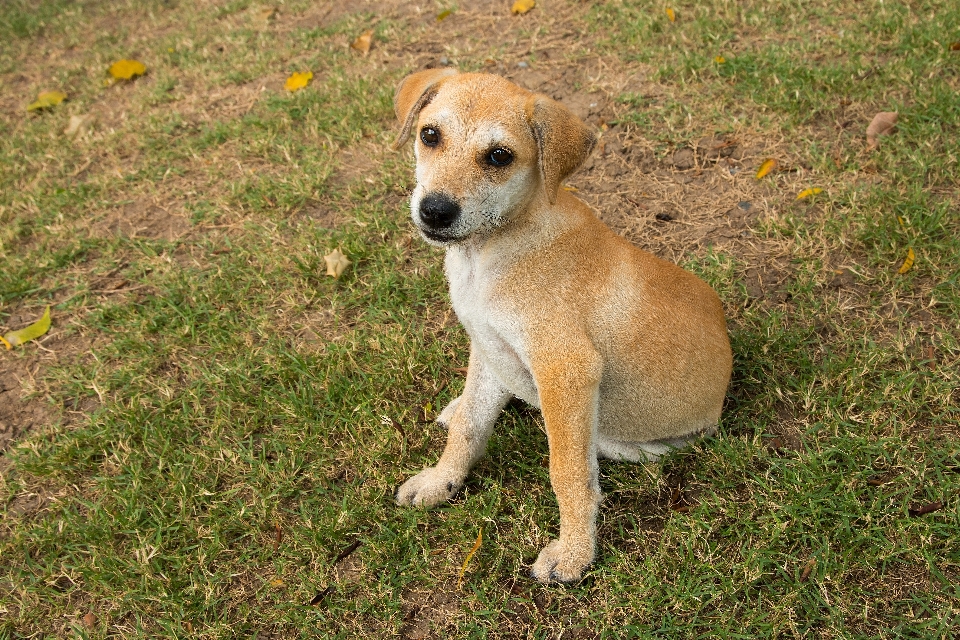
(626,355)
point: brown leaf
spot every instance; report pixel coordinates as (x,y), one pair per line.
(278,536)
(346,552)
(363,42)
(807,569)
(925,509)
(78,125)
(932,357)
(881,124)
(317,599)
(462,370)
(336,263)
(90,621)
(955,46)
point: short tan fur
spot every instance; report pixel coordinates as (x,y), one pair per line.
(626,355)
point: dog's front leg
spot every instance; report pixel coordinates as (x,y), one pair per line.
(569,396)
(469,420)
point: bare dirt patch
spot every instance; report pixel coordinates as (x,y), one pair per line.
(143,218)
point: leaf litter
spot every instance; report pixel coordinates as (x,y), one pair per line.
(363,42)
(882,124)
(521,7)
(337,263)
(127,69)
(46,100)
(30,332)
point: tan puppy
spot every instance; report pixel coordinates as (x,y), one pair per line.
(626,355)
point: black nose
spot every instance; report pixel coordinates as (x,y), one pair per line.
(439,211)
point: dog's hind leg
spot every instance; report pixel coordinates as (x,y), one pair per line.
(469,420)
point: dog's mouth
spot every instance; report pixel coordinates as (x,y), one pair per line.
(439,237)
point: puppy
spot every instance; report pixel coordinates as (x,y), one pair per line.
(625,355)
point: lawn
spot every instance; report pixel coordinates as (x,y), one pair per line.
(207,442)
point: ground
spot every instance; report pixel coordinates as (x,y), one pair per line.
(207,442)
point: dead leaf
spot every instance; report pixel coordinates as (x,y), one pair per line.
(768,165)
(932,357)
(346,552)
(298,80)
(363,42)
(127,69)
(47,99)
(473,550)
(809,192)
(79,125)
(955,46)
(336,263)
(521,7)
(925,509)
(807,569)
(277,535)
(908,261)
(882,124)
(90,621)
(266,15)
(276,583)
(444,14)
(671,15)
(317,599)
(462,370)
(28,333)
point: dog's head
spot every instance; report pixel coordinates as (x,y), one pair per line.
(485,150)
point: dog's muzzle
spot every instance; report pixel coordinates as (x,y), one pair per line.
(438,211)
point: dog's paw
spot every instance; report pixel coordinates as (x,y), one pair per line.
(428,488)
(562,562)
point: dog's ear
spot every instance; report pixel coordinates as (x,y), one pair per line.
(564,141)
(413,94)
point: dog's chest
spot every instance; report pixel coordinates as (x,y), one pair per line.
(495,333)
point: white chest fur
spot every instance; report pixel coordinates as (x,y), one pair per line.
(496,334)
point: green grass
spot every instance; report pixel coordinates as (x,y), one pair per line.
(198,417)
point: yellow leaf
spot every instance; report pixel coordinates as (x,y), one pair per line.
(47,99)
(443,14)
(671,15)
(768,165)
(336,263)
(520,7)
(127,69)
(26,334)
(720,60)
(363,42)
(276,583)
(908,261)
(298,81)
(809,192)
(466,561)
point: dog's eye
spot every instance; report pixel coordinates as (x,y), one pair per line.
(500,157)
(430,136)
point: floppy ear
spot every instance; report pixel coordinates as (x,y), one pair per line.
(564,141)
(413,94)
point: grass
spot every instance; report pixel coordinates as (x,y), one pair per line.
(226,426)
